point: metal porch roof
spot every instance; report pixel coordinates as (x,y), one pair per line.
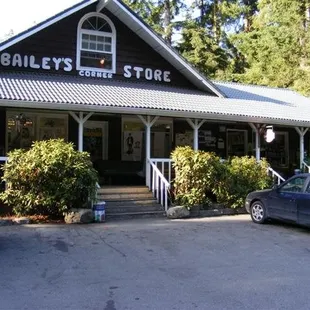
(76,93)
(261,93)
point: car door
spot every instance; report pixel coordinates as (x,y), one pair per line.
(282,203)
(303,206)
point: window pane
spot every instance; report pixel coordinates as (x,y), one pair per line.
(92,46)
(296,185)
(85,45)
(100,47)
(96,43)
(108,40)
(21,133)
(96,60)
(85,36)
(107,48)
(96,23)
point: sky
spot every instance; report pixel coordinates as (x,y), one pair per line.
(19,15)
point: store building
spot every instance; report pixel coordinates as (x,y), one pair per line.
(98,76)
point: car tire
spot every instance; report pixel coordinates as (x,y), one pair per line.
(258,212)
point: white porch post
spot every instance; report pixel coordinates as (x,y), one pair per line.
(301,131)
(256,129)
(80,119)
(195,125)
(148,122)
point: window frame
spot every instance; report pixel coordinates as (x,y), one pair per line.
(303,189)
(79,49)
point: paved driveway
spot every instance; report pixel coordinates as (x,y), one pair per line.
(215,263)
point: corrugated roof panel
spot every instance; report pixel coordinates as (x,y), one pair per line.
(67,90)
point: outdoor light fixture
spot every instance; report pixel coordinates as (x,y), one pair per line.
(269,134)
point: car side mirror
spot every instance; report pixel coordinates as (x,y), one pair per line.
(275,186)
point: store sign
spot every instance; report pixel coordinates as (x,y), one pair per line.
(149,74)
(45,63)
(66,64)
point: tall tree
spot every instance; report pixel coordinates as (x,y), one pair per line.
(159,14)
(277,47)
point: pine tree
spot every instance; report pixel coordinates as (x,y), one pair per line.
(277,47)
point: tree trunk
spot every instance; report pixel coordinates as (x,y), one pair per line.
(216,21)
(167,21)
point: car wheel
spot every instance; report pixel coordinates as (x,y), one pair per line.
(258,212)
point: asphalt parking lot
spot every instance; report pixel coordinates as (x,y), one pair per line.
(211,263)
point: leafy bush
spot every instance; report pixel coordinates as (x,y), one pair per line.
(200,176)
(195,175)
(48,179)
(240,176)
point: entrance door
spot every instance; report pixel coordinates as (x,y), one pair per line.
(237,142)
(96,139)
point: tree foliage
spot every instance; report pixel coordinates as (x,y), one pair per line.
(48,179)
(264,42)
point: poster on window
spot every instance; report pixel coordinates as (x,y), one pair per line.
(132,145)
(93,142)
(184,139)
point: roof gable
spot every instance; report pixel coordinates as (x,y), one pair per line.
(133,22)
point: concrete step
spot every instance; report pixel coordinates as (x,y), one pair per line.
(132,209)
(122,189)
(132,202)
(125,196)
(134,215)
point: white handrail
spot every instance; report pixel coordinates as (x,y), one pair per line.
(307,166)
(3,159)
(164,165)
(159,186)
(275,174)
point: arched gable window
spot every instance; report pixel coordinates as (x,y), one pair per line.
(96,44)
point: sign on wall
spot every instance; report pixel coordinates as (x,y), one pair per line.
(66,64)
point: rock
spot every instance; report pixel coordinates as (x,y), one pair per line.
(5,222)
(177,212)
(79,216)
(21,220)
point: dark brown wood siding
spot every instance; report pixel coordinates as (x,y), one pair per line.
(2,131)
(59,40)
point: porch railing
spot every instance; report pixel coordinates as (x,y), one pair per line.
(275,175)
(305,167)
(3,159)
(160,179)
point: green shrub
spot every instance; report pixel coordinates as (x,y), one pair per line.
(240,176)
(195,175)
(48,179)
(201,176)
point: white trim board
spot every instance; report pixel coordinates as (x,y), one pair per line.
(148,111)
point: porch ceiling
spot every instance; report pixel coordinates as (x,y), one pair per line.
(82,94)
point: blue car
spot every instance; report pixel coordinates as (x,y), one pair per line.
(289,202)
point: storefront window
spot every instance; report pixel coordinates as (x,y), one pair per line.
(277,152)
(96,139)
(237,141)
(133,133)
(20,132)
(25,128)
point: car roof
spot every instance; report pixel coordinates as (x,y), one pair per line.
(301,175)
